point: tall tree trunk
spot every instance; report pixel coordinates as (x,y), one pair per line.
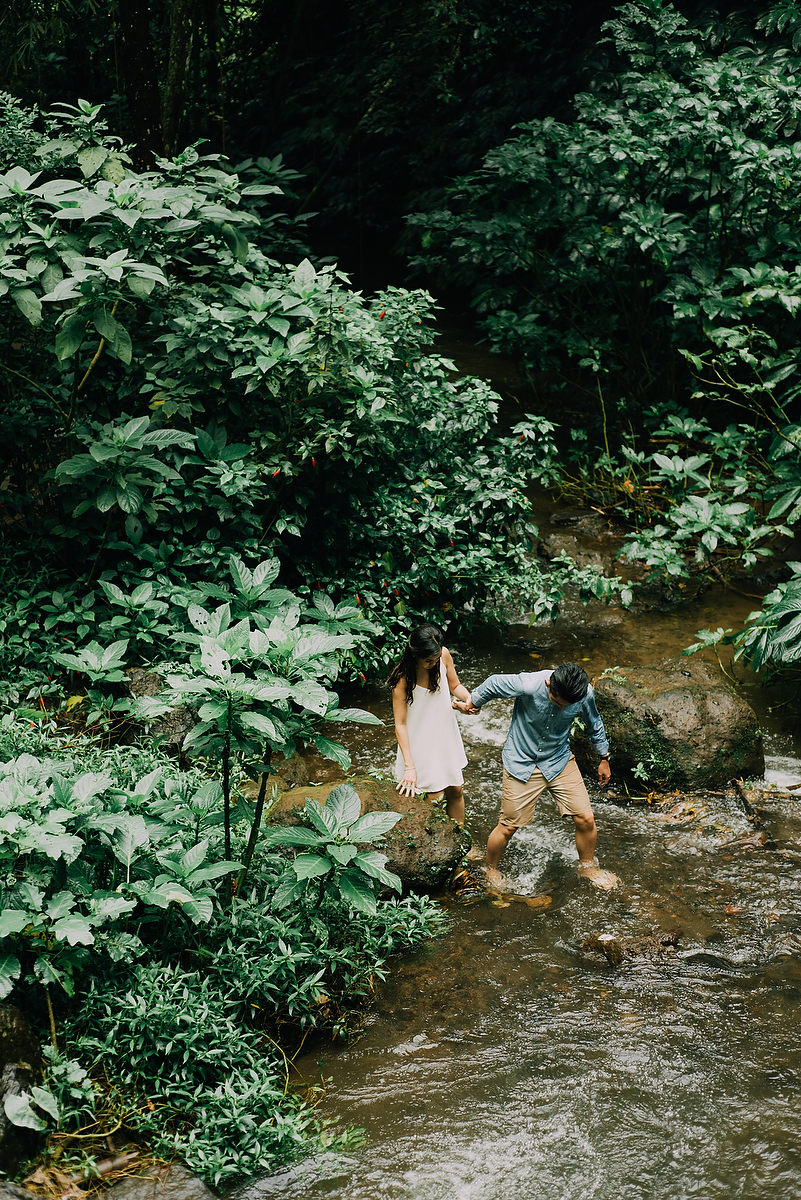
(141,80)
(182,29)
(212,23)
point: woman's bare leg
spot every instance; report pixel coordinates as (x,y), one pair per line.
(454,803)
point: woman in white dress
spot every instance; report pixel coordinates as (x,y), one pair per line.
(430,751)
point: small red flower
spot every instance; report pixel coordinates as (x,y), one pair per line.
(451,543)
(278,472)
(314,464)
(382,314)
(397,593)
(364,677)
(358,601)
(319,588)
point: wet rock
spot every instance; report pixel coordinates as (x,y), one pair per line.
(424,847)
(616,947)
(680,722)
(583,521)
(554,544)
(172,728)
(173,1182)
(12,1191)
(20,1068)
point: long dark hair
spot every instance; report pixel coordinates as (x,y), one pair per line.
(424,642)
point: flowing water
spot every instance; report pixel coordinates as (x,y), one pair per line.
(503,1062)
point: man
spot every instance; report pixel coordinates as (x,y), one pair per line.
(537,756)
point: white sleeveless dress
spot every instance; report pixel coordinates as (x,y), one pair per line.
(434,739)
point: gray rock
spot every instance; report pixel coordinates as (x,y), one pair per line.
(556,543)
(172,728)
(20,1068)
(173,1182)
(687,727)
(12,1191)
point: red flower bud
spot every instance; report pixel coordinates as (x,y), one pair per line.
(358,601)
(397,593)
(314,464)
(364,677)
(451,543)
(278,472)
(382,314)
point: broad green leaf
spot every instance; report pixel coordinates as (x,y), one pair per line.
(344,804)
(373,825)
(321,818)
(356,892)
(293,835)
(262,724)
(309,866)
(28,304)
(360,715)
(47,1101)
(341,854)
(13,920)
(130,836)
(74,929)
(91,159)
(9,973)
(289,889)
(20,1113)
(332,750)
(374,864)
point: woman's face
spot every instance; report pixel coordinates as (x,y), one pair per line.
(430,663)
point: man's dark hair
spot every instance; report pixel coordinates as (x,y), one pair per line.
(569,682)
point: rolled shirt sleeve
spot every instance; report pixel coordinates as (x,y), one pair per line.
(539,735)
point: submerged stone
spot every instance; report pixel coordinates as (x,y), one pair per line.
(616,948)
(675,725)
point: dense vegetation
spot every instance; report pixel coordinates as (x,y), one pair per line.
(224,464)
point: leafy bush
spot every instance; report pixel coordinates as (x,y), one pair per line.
(109,876)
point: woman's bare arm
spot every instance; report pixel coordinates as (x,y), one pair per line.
(406,787)
(456,688)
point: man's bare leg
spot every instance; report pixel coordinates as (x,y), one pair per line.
(497,842)
(454,803)
(586,841)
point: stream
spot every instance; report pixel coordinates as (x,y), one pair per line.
(502,1061)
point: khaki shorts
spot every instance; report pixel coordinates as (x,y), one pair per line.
(518,800)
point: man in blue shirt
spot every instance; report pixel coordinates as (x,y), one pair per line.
(537,756)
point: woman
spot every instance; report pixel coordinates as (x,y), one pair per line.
(430,751)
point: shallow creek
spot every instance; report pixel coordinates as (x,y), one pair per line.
(502,1062)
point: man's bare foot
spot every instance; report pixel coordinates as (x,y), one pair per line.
(494,878)
(474,855)
(598,877)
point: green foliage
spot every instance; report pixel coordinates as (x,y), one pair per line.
(112,861)
(771,637)
(660,214)
(333,859)
(284,412)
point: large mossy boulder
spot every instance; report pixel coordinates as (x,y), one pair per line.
(678,725)
(424,847)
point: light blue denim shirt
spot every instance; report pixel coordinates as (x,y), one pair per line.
(539,735)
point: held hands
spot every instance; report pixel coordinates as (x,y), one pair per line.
(407,785)
(465,706)
(604,772)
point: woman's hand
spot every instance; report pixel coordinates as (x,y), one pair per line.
(408,784)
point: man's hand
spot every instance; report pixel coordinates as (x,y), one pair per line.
(604,772)
(465,706)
